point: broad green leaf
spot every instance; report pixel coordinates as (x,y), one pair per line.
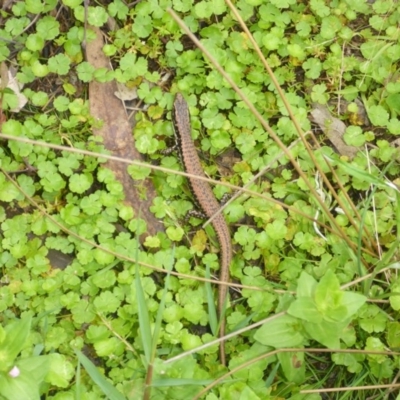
(24,386)
(281,332)
(16,335)
(326,333)
(3,334)
(353,302)
(328,295)
(37,367)
(306,285)
(304,308)
(393,335)
(293,366)
(394,297)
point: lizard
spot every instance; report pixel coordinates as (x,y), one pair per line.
(205,198)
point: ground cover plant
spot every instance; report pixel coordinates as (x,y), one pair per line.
(96,303)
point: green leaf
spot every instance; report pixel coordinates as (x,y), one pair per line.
(328,296)
(48,27)
(303,28)
(394,297)
(61,371)
(277,230)
(293,366)
(59,64)
(393,102)
(212,119)
(295,50)
(313,68)
(118,9)
(38,264)
(106,302)
(175,233)
(283,3)
(96,16)
(354,136)
(40,99)
(37,367)
(8,192)
(72,3)
(53,183)
(319,94)
(284,331)
(378,115)
(375,344)
(24,386)
(203,9)
(4,51)
(393,335)
(61,103)
(16,335)
(34,42)
(103,75)
(353,302)
(79,183)
(305,308)
(85,71)
(351,361)
(39,69)
(10,99)
(34,6)
(306,285)
(142,26)
(372,320)
(220,140)
(326,333)
(394,126)
(330,26)
(108,347)
(133,66)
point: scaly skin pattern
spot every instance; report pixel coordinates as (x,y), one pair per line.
(205,198)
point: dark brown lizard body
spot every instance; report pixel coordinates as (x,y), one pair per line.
(204,196)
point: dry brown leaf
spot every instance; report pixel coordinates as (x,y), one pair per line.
(334,129)
(116,132)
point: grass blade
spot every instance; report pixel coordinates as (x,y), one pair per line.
(99,379)
(157,325)
(144,320)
